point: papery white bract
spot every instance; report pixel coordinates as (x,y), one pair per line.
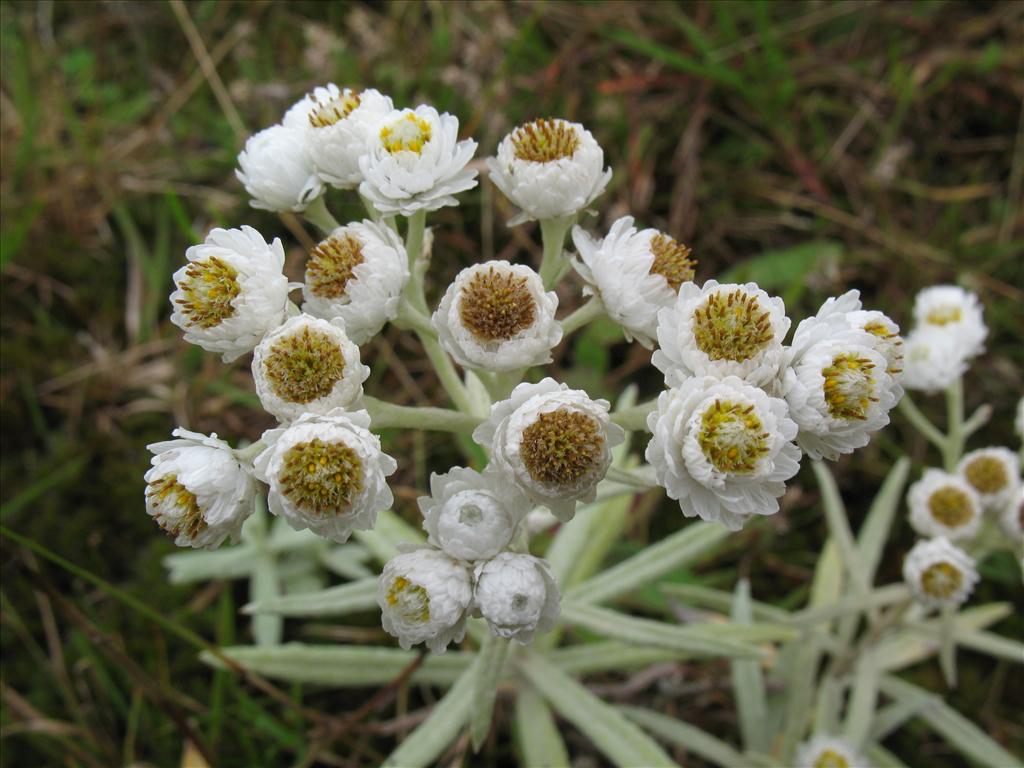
(516,594)
(722,448)
(326,473)
(423,596)
(955,312)
(942,504)
(932,360)
(231,292)
(496,316)
(939,573)
(276,168)
(823,751)
(197,490)
(357,273)
(633,273)
(552,443)
(415,162)
(994,473)
(308,365)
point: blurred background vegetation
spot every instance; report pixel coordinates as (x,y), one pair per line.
(809,146)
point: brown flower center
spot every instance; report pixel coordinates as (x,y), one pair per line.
(731,326)
(209,287)
(331,264)
(175,507)
(496,305)
(321,478)
(950,506)
(849,387)
(410,601)
(304,366)
(334,110)
(561,447)
(732,437)
(829,758)
(671,260)
(987,474)
(941,580)
(544,141)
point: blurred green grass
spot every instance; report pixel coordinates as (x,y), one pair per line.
(810,146)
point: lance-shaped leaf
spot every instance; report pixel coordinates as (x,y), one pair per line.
(850,605)
(336,601)
(920,640)
(839,527)
(686,736)
(875,530)
(747,680)
(588,658)
(490,662)
(540,742)
(721,601)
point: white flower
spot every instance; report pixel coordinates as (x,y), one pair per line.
(470,515)
(423,597)
(326,473)
(994,473)
(634,274)
(496,316)
(723,449)
(307,365)
(277,170)
(415,162)
(823,751)
(550,169)
(939,573)
(955,312)
(197,490)
(357,273)
(552,443)
(721,330)
(1012,517)
(942,504)
(517,595)
(932,360)
(231,292)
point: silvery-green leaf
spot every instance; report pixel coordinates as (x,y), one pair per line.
(863,699)
(389,532)
(992,644)
(537,733)
(265,585)
(918,641)
(224,563)
(490,662)
(882,758)
(839,527)
(875,530)
(335,601)
(849,605)
(348,560)
(747,680)
(588,658)
(799,695)
(687,736)
(721,601)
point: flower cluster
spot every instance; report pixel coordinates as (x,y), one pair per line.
(948,332)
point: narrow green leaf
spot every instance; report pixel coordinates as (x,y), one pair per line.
(225,563)
(683,735)
(336,601)
(863,699)
(839,527)
(799,695)
(609,655)
(265,586)
(993,645)
(747,680)
(490,661)
(875,531)
(721,601)
(347,560)
(920,640)
(540,743)
(851,605)
(391,530)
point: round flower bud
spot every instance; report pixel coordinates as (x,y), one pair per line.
(550,169)
(357,273)
(423,597)
(496,316)
(552,443)
(955,312)
(828,752)
(517,595)
(277,171)
(414,162)
(721,330)
(470,515)
(932,360)
(307,365)
(994,473)
(944,505)
(634,274)
(197,490)
(326,473)
(231,292)
(939,573)
(723,449)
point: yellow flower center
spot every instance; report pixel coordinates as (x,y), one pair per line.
(941,580)
(175,507)
(731,326)
(829,758)
(944,314)
(331,264)
(561,447)
(849,386)
(671,260)
(891,345)
(950,506)
(304,366)
(986,474)
(544,141)
(496,305)
(209,287)
(327,113)
(321,478)
(407,134)
(732,437)
(410,601)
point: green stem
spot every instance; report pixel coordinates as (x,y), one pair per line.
(248,454)
(372,212)
(446,372)
(955,437)
(414,249)
(634,418)
(582,315)
(384,415)
(921,423)
(411,318)
(317,214)
(553,232)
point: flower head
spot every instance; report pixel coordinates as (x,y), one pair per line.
(326,473)
(423,596)
(357,273)
(231,292)
(517,595)
(415,162)
(722,448)
(496,316)
(634,274)
(944,505)
(994,473)
(956,313)
(828,752)
(552,443)
(932,360)
(197,490)
(308,365)
(550,169)
(277,170)
(939,573)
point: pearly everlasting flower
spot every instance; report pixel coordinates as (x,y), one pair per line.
(932,360)
(994,473)
(277,170)
(326,473)
(634,274)
(942,504)
(550,169)
(231,292)
(939,573)
(517,595)
(469,515)
(308,365)
(423,597)
(955,312)
(552,443)
(722,448)
(197,490)
(828,752)
(414,162)
(496,316)
(721,330)
(357,273)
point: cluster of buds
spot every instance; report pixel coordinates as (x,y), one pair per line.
(949,331)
